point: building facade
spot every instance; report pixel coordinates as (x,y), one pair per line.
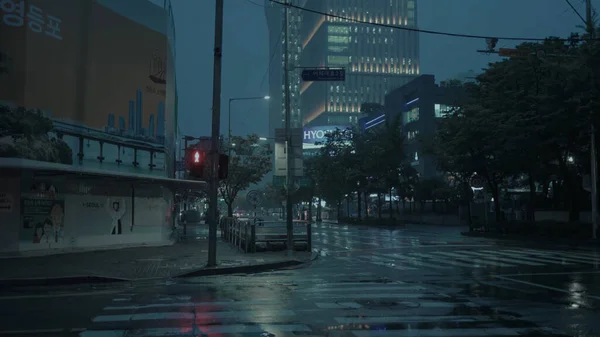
(420,103)
(99,79)
(377,58)
(275,15)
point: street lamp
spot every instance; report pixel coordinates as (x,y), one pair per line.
(267,97)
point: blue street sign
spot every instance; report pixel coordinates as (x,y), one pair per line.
(310,75)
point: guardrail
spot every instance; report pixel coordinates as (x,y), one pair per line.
(248,235)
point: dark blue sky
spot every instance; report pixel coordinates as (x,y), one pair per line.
(246,50)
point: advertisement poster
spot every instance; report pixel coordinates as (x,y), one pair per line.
(92,79)
(43,221)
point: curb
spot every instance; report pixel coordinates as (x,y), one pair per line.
(589,243)
(59,281)
(249,269)
(90,279)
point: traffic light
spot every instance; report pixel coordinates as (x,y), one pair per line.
(196,161)
(223,166)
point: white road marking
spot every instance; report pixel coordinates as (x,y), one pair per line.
(544,286)
(162,316)
(223,329)
(91,293)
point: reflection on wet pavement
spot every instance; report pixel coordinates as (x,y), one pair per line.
(367,282)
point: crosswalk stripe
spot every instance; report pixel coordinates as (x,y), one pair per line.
(374,296)
(413,319)
(445,261)
(362,289)
(223,329)
(384,262)
(573,254)
(153,316)
(443,332)
(338,305)
(510,260)
(546,255)
(415,261)
(477,261)
(529,258)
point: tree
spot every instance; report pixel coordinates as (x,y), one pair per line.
(248,164)
(26,134)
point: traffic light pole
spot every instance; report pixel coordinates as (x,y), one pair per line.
(214,149)
(289,155)
(594,170)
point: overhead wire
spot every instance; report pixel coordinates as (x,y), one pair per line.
(575,10)
(416,30)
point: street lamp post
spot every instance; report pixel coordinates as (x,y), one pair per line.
(240,99)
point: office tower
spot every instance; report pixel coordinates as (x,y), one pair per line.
(377,59)
(138,111)
(121,123)
(131,117)
(160,120)
(151,126)
(275,21)
(111,121)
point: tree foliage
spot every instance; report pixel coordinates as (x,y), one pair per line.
(526,119)
(249,162)
(27,134)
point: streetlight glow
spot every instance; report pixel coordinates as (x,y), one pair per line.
(267,97)
(262,138)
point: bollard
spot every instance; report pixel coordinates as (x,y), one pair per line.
(246,238)
(309,237)
(253,238)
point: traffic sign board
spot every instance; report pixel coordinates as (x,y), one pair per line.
(310,75)
(254,197)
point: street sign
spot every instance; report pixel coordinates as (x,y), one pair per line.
(310,75)
(513,52)
(254,197)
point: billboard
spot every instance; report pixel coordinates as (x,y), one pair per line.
(317,134)
(96,78)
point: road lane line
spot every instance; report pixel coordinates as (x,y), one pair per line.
(505,259)
(91,293)
(415,319)
(446,262)
(497,332)
(202,330)
(40,331)
(476,260)
(544,286)
(163,316)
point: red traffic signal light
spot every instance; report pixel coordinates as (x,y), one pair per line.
(195,162)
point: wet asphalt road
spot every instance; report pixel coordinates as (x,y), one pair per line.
(424,281)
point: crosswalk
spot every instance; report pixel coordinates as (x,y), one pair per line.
(477,258)
(285,305)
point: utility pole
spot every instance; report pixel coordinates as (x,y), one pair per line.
(214,144)
(288,139)
(594,167)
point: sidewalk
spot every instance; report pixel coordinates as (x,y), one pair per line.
(142,263)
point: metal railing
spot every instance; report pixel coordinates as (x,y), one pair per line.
(247,235)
